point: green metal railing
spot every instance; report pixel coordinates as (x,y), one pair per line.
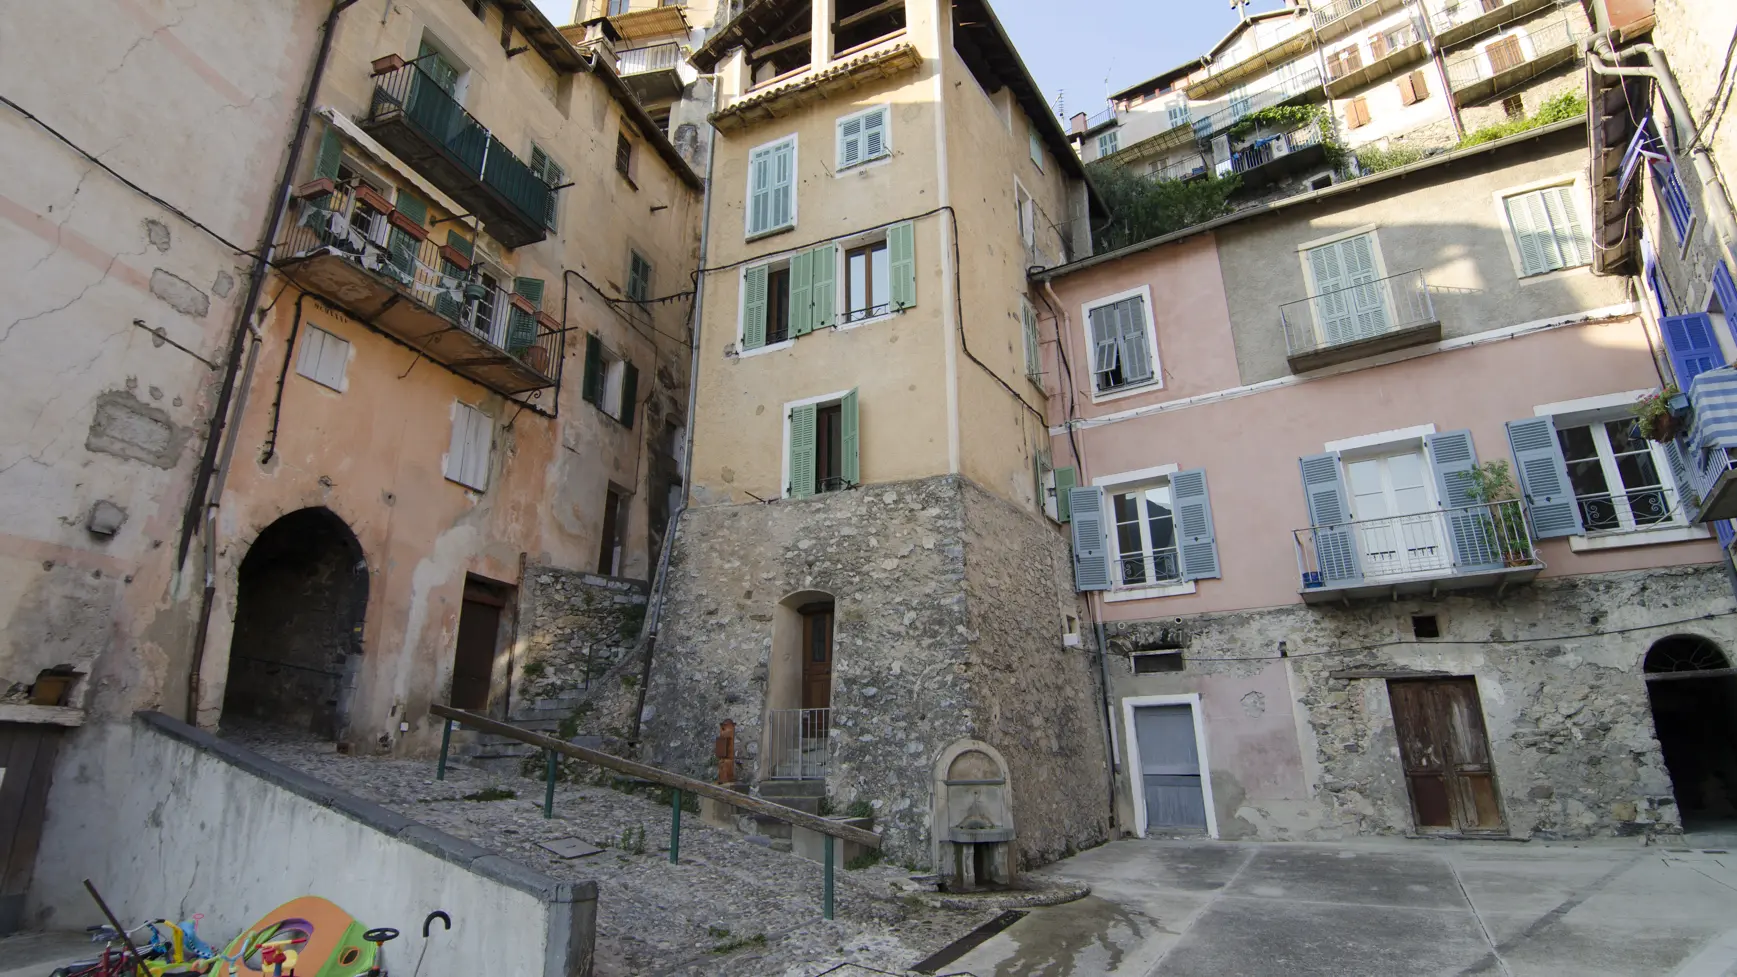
(678,785)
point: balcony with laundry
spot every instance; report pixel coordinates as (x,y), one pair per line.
(1304,86)
(379,262)
(1266,156)
(414,113)
(1513,58)
(1354,314)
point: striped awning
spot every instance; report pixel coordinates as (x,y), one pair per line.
(1713,395)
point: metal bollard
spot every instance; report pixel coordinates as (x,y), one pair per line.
(445,743)
(549,789)
(826,900)
(675,824)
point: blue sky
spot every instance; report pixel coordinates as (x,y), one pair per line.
(1073,46)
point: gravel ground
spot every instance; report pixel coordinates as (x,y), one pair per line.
(730,907)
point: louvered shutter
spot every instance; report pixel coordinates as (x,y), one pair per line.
(1091,545)
(1543,477)
(850,149)
(1691,345)
(1196,542)
(629,393)
(522,325)
(823,274)
(459,443)
(1530,219)
(1419,86)
(850,440)
(401,254)
(1452,458)
(802,448)
(874,134)
(1335,541)
(592,388)
(902,265)
(754,308)
(412,207)
(447,304)
(1377,47)
(476,456)
(1568,230)
(1106,345)
(330,155)
(1028,326)
(1684,480)
(1333,317)
(760,191)
(784,185)
(1726,289)
(458,242)
(1407,94)
(801,294)
(554,176)
(1368,299)
(1136,347)
(1065,480)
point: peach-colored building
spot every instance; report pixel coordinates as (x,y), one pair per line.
(1324,614)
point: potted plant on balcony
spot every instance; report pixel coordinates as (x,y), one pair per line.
(1504,525)
(1659,417)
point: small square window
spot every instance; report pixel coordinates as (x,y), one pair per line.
(323,358)
(863,137)
(1036,147)
(624,156)
(1160,661)
(1514,106)
(1109,142)
(1425,626)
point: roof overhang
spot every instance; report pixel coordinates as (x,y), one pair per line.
(758,20)
(1180,71)
(543,37)
(1218,80)
(780,100)
(639,25)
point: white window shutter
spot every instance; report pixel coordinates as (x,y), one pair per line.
(850,141)
(308,362)
(460,442)
(783,184)
(874,134)
(1543,477)
(1571,236)
(467,458)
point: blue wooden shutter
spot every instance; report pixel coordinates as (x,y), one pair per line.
(1543,478)
(1065,481)
(850,440)
(823,296)
(754,308)
(1335,541)
(1091,546)
(1136,350)
(902,265)
(1726,289)
(801,294)
(1452,458)
(1196,541)
(1688,497)
(802,447)
(1691,345)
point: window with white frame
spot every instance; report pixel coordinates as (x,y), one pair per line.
(323,358)
(1347,302)
(772,187)
(1123,353)
(1027,215)
(1548,230)
(1179,113)
(467,458)
(864,136)
(1109,142)
(1621,481)
(867,280)
(1144,536)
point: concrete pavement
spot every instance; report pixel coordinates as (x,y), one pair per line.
(38,954)
(1379,909)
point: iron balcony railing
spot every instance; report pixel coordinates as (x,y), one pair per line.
(1189,166)
(339,225)
(1510,52)
(1268,148)
(652,57)
(1243,105)
(411,94)
(1357,312)
(1445,15)
(800,742)
(1397,39)
(1326,14)
(1473,539)
(1107,115)
(1151,569)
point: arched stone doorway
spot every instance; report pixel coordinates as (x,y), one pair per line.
(300,601)
(1693,692)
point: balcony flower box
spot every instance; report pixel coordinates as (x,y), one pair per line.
(408,225)
(388,64)
(373,198)
(548,322)
(455,256)
(314,189)
(523,305)
(535,357)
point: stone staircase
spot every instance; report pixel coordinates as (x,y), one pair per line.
(504,755)
(803,795)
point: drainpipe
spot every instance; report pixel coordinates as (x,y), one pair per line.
(221,435)
(654,615)
(1659,70)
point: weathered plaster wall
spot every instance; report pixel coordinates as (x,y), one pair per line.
(1299,754)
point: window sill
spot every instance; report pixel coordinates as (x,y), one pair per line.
(742,354)
(1131,390)
(867,164)
(1147,593)
(770,232)
(867,321)
(468,488)
(1639,537)
(1554,274)
(628,180)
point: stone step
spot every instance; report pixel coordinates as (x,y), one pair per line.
(783,788)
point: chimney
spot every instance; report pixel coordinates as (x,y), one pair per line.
(599,37)
(1079,122)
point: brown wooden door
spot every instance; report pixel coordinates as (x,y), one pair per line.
(26,768)
(817,656)
(1505,53)
(1446,754)
(473,665)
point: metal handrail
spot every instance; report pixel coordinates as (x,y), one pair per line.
(1479,65)
(1193,164)
(1205,127)
(790,731)
(1107,115)
(1437,543)
(1398,39)
(1282,144)
(653,57)
(1327,14)
(1357,312)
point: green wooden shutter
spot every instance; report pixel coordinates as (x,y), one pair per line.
(1452,458)
(850,441)
(1543,477)
(449,306)
(754,308)
(784,184)
(629,393)
(902,265)
(522,325)
(412,207)
(1065,481)
(530,288)
(592,388)
(760,191)
(1196,542)
(801,294)
(1091,544)
(823,270)
(401,254)
(463,245)
(802,448)
(330,156)
(1335,542)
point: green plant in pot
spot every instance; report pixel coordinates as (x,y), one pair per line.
(1504,526)
(1659,417)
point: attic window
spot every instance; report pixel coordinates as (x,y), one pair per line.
(858,23)
(784,50)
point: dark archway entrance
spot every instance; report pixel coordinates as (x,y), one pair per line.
(1693,691)
(298,624)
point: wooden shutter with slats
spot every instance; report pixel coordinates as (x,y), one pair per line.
(1197,543)
(850,440)
(902,265)
(802,452)
(754,307)
(1091,544)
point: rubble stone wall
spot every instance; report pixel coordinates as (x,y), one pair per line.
(573,627)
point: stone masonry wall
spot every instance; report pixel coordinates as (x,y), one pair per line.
(573,627)
(1033,699)
(1568,719)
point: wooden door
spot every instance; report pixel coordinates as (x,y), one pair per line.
(473,664)
(817,656)
(27,754)
(1446,754)
(1170,767)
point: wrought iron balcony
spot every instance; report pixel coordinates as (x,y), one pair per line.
(423,124)
(1267,157)
(1513,59)
(1359,320)
(1489,544)
(1186,168)
(1297,87)
(652,72)
(1333,20)
(1454,21)
(411,289)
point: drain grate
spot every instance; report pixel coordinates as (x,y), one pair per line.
(970,941)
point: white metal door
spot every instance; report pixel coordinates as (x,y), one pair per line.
(1170,767)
